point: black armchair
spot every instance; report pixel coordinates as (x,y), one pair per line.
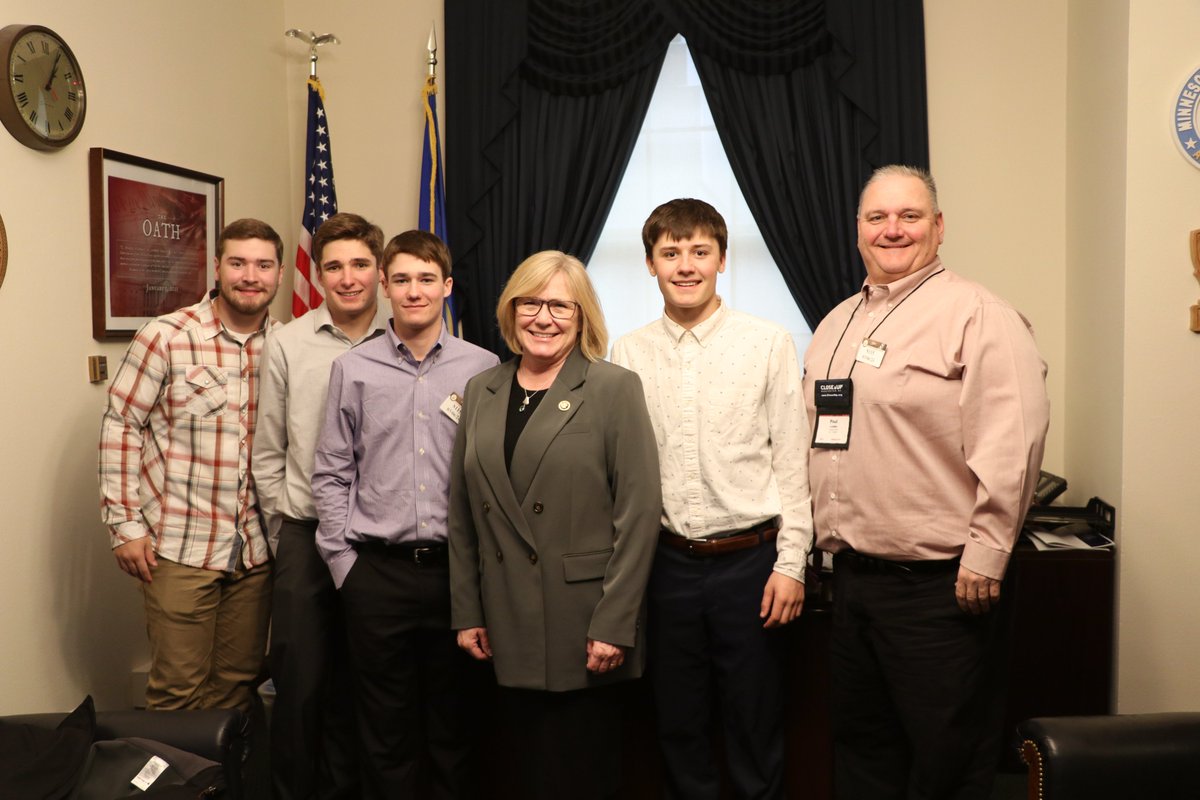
(219,735)
(1131,757)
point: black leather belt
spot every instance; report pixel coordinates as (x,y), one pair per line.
(722,543)
(851,559)
(420,553)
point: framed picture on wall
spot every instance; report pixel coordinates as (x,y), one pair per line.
(154,237)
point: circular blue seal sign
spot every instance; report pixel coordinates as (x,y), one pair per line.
(1184,118)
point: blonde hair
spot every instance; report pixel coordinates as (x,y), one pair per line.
(531,276)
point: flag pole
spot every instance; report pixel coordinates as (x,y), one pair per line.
(313,40)
(431,46)
(320,192)
(431,213)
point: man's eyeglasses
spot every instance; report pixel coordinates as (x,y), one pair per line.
(532,306)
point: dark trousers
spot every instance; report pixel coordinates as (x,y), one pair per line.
(312,720)
(707,646)
(414,686)
(563,744)
(917,701)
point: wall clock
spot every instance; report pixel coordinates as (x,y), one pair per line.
(43,102)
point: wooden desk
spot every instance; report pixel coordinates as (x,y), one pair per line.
(1061,652)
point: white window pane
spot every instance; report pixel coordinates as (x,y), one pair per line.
(679,154)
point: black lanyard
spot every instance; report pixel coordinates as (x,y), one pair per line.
(829,368)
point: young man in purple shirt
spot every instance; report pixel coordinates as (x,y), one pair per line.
(381,486)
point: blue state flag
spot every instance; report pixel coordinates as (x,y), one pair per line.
(432,204)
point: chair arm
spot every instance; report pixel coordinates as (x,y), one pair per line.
(1130,756)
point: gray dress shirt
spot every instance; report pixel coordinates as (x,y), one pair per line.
(295,377)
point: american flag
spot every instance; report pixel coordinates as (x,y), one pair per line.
(320,200)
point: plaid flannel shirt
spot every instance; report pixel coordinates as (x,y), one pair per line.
(177,438)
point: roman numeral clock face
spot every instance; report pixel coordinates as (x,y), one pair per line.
(44,103)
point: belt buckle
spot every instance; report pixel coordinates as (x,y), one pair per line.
(418,552)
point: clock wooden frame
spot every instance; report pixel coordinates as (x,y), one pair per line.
(3,252)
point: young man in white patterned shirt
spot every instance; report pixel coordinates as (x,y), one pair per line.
(724,393)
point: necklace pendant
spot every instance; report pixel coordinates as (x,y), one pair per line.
(528,396)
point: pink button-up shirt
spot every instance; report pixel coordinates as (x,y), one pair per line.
(947,433)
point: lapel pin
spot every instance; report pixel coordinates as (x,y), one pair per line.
(564,405)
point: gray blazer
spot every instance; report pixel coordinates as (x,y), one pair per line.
(561,551)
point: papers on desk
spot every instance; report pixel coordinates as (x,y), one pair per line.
(1072,536)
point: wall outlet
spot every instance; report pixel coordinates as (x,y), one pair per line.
(97,368)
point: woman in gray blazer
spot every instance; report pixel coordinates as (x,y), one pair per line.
(555,506)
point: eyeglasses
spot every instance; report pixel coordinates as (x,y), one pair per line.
(532,306)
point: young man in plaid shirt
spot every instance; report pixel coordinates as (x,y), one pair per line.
(175,484)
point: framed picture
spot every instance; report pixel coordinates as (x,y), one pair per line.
(154,238)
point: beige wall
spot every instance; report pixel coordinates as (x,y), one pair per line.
(1060,194)
(1050,137)
(373,84)
(1160,592)
(160,85)
(997,135)
(1097,75)
(211,86)
(1098,46)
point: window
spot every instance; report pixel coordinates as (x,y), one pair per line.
(679,154)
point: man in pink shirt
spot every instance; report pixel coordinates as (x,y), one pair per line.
(927,401)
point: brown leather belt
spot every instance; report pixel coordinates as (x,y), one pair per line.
(722,544)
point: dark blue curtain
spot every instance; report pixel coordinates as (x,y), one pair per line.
(545,99)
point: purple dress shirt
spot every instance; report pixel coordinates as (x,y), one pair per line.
(382,464)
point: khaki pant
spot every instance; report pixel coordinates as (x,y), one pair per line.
(208,635)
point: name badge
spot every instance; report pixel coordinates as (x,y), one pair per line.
(871,353)
(834,400)
(452,407)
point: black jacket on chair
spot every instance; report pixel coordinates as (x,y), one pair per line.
(219,735)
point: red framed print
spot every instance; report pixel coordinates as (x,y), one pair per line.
(154,239)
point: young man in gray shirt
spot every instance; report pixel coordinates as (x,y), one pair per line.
(312,751)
